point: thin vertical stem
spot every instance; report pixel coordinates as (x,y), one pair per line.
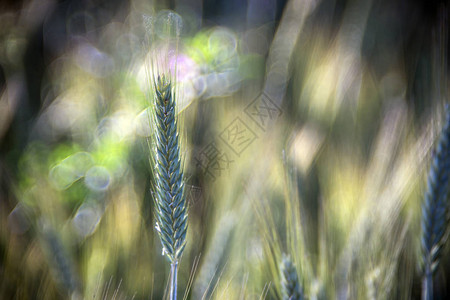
(427,285)
(173,280)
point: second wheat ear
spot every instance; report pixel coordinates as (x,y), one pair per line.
(170,201)
(435,209)
(291,287)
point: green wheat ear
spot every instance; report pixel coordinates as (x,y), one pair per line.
(435,208)
(171,210)
(291,288)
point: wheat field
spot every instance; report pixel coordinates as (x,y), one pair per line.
(272,149)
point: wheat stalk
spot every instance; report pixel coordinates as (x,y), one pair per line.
(434,209)
(171,210)
(291,289)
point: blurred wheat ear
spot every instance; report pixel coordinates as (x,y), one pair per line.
(170,203)
(291,287)
(434,209)
(60,261)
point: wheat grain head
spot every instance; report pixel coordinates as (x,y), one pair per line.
(435,208)
(291,287)
(170,202)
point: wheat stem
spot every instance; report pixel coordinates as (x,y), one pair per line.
(427,285)
(173,280)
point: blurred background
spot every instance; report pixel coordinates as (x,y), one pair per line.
(307,129)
